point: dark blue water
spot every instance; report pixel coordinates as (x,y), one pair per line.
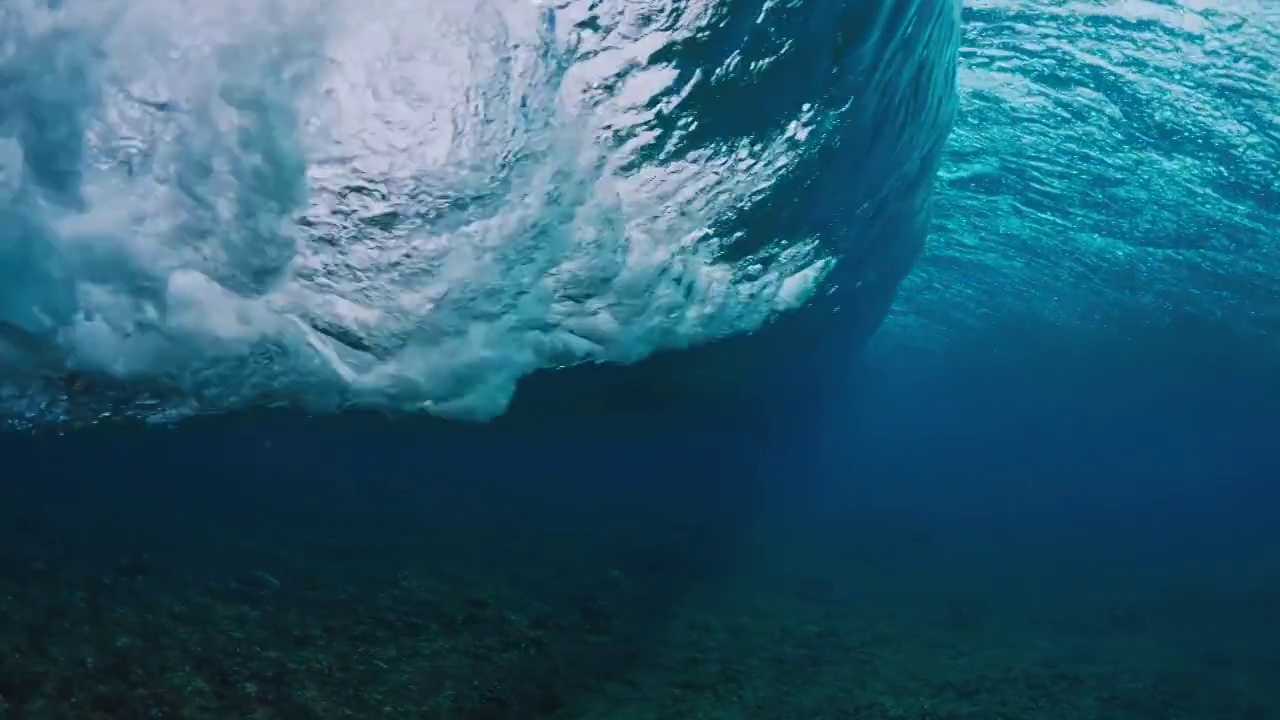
(814,377)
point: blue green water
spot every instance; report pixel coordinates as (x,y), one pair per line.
(652,359)
(1113,170)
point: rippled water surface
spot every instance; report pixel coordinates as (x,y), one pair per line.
(1115,169)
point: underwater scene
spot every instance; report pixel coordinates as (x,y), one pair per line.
(639,360)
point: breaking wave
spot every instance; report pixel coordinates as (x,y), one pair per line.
(401,205)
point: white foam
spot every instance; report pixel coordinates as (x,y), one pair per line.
(400,203)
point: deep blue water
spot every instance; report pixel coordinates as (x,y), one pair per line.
(326,296)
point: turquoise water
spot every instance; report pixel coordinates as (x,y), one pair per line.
(316,213)
(1114,171)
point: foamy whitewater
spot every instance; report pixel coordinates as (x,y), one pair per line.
(412,205)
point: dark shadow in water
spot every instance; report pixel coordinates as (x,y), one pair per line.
(1087,527)
(510,568)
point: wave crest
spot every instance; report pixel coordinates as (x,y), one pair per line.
(410,207)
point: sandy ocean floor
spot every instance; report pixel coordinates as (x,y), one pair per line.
(118,622)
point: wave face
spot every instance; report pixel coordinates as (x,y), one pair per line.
(411,206)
